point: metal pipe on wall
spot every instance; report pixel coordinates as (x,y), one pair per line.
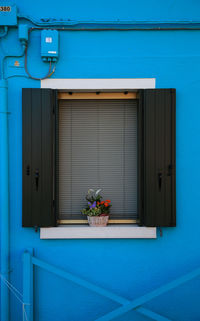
(97,25)
(4,199)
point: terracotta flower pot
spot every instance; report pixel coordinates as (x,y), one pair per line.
(98,220)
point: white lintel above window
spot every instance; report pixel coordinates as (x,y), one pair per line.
(91,84)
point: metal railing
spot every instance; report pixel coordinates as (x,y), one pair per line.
(29,260)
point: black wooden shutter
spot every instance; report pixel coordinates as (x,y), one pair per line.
(38,121)
(157,191)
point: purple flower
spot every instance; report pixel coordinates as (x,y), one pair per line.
(92,205)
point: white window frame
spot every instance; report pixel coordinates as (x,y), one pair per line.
(85,232)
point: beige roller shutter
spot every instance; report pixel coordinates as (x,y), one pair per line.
(98,149)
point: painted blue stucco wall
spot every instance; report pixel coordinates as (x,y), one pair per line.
(130,268)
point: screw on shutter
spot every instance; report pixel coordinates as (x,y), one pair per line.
(160,180)
(27,170)
(169,173)
(36,179)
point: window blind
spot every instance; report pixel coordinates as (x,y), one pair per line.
(97,149)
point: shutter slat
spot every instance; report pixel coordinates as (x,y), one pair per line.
(47,156)
(36,151)
(27,161)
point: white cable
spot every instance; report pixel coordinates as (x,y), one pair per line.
(11,290)
(14,290)
(24,312)
(12,286)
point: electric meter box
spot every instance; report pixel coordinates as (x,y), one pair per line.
(8,15)
(49,45)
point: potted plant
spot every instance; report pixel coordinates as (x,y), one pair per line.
(97,211)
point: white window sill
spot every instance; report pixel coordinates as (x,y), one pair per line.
(108,232)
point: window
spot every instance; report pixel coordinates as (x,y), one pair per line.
(144,152)
(97,149)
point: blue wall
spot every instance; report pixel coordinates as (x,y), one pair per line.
(127,267)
